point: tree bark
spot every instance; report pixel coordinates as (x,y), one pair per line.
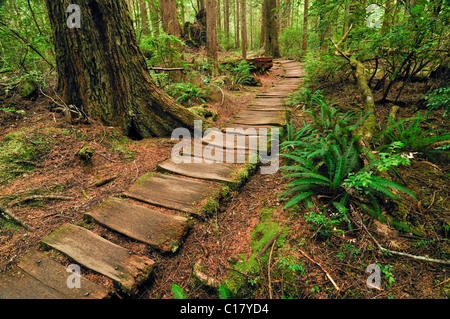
(211,34)
(262,39)
(102,71)
(143,9)
(305,28)
(238,26)
(169,18)
(272,46)
(226,22)
(244,28)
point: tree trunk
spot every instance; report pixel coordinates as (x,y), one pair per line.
(101,71)
(272,46)
(143,9)
(154,15)
(211,34)
(262,39)
(305,28)
(169,18)
(244,28)
(226,22)
(238,27)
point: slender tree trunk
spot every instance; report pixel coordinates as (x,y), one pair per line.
(305,28)
(102,71)
(211,34)
(238,29)
(272,46)
(262,39)
(226,13)
(144,15)
(169,17)
(218,16)
(244,28)
(154,17)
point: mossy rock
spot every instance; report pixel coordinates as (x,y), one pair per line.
(86,153)
(202,111)
(28,89)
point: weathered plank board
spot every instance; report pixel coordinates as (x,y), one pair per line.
(100,255)
(162,231)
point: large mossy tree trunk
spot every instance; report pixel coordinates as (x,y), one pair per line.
(102,71)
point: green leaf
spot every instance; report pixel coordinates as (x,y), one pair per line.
(298,198)
(224,292)
(178,292)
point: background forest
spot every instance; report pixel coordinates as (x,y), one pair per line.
(366,134)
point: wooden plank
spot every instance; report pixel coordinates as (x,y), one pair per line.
(24,286)
(54,275)
(100,255)
(162,231)
(171,192)
(220,172)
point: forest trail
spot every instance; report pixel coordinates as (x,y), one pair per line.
(183,187)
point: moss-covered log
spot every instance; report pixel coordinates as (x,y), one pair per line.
(368,127)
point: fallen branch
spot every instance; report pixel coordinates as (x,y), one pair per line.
(326,272)
(5,211)
(393,252)
(38,197)
(268,270)
(204,278)
(105,181)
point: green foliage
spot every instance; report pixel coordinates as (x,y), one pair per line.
(291,42)
(163,50)
(323,158)
(23,32)
(412,136)
(322,68)
(439,98)
(178,292)
(189,93)
(224,292)
(388,275)
(241,73)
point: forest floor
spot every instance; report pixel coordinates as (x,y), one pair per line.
(48,165)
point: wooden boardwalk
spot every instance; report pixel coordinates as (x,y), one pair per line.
(182,187)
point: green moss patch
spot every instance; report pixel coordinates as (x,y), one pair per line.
(21,150)
(241,286)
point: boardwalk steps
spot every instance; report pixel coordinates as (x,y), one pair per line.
(181,187)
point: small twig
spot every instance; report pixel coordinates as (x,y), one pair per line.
(223,94)
(105,181)
(393,252)
(326,272)
(38,197)
(268,270)
(107,158)
(339,50)
(269,243)
(17,220)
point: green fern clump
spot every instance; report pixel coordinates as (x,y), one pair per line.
(410,133)
(324,158)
